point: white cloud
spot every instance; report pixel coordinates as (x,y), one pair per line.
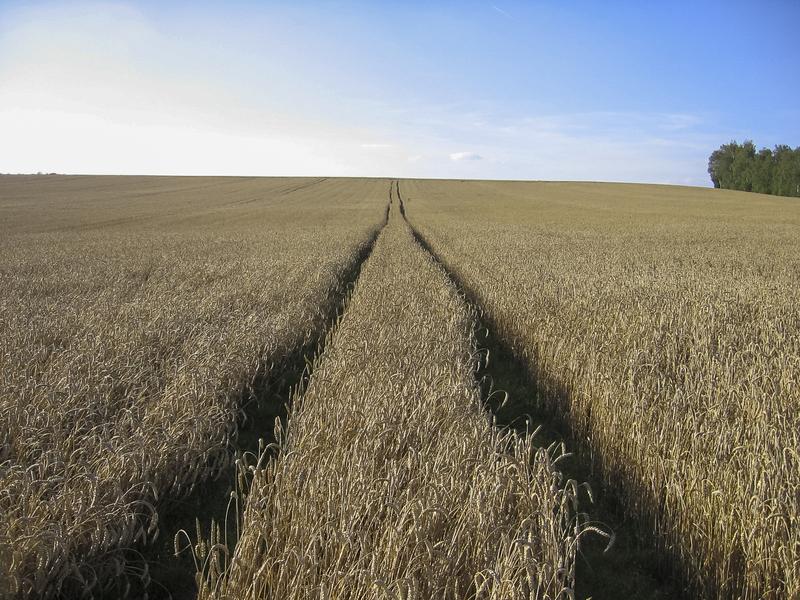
(595,146)
(465,156)
(377,145)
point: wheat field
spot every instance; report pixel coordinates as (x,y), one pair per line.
(140,318)
(135,313)
(662,325)
(391,480)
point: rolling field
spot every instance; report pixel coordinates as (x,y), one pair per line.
(392,480)
(662,325)
(136,315)
(142,319)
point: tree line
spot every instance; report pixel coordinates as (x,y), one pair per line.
(741,167)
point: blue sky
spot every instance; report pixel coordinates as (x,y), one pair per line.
(627,91)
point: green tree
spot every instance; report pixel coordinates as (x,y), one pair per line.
(786,179)
(719,165)
(762,175)
(742,166)
(737,166)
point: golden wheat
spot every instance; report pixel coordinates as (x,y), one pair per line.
(663,324)
(135,314)
(391,481)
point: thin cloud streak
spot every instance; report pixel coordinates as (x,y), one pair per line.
(501,11)
(458,156)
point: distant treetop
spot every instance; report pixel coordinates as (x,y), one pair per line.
(741,167)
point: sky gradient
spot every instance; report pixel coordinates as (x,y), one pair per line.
(510,90)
